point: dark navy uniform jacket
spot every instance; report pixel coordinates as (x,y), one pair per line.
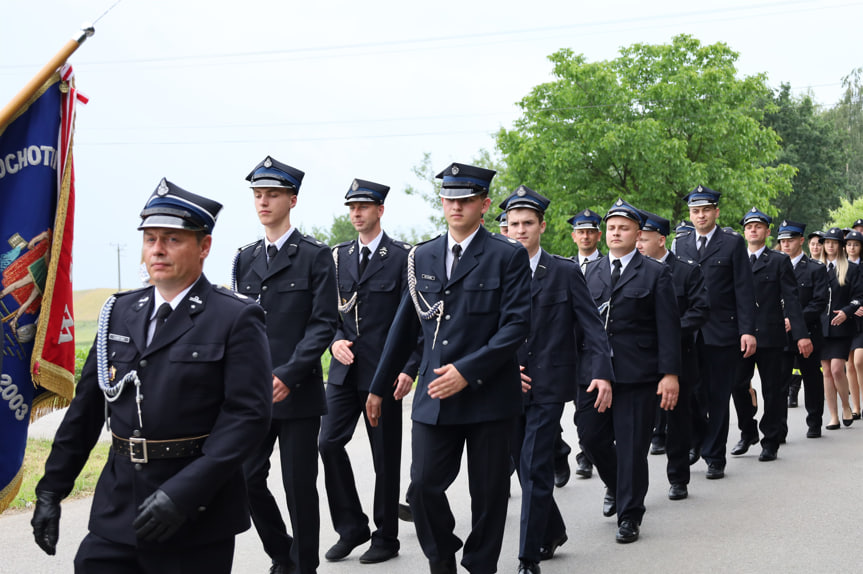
(486,316)
(693,300)
(298,291)
(642,319)
(846,297)
(562,313)
(206,372)
(728,274)
(812,289)
(777,298)
(379,293)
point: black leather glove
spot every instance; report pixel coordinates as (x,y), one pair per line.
(46,521)
(158,518)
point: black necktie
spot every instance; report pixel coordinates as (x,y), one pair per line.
(272,251)
(830,271)
(161,316)
(702,242)
(752,259)
(456,254)
(583,265)
(615,273)
(365,253)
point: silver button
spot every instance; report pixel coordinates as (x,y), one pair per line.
(445,342)
(138,467)
(248,287)
(142,363)
(136,433)
(202,509)
(264,288)
(446,317)
(195,354)
(447,292)
(479,381)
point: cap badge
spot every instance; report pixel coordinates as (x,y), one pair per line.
(699,189)
(619,202)
(521,192)
(268,162)
(754,210)
(784,223)
(455,170)
(355,186)
(163,188)
(587,213)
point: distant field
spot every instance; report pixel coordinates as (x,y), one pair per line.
(87,305)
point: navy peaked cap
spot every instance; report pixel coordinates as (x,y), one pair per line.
(854,235)
(501,219)
(653,222)
(273,173)
(527,198)
(789,229)
(755,214)
(834,233)
(362,190)
(587,219)
(702,195)
(173,207)
(624,209)
(461,180)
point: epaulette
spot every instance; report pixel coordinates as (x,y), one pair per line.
(592,261)
(248,245)
(428,240)
(684,233)
(232,294)
(505,239)
(562,258)
(313,241)
(688,261)
(730,231)
(818,261)
(402,244)
(130,291)
(342,244)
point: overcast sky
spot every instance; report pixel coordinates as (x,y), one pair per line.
(200,92)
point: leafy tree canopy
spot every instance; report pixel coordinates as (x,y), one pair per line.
(648,126)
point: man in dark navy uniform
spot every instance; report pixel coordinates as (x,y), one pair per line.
(586,233)
(562,314)
(372,277)
(293,277)
(693,303)
(729,335)
(777,303)
(470,299)
(812,288)
(181,371)
(635,296)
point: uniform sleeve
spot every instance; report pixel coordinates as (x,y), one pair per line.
(322,324)
(698,313)
(592,336)
(77,434)
(816,306)
(243,419)
(791,299)
(744,288)
(667,324)
(399,346)
(856,290)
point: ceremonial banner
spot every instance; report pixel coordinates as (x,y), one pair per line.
(36,225)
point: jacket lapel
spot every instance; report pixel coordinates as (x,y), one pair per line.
(629,272)
(259,260)
(712,246)
(350,264)
(470,258)
(541,272)
(137,319)
(181,319)
(376,263)
(283,258)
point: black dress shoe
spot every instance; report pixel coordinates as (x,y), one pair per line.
(561,473)
(546,551)
(792,401)
(405,513)
(678,492)
(278,568)
(627,532)
(446,566)
(377,554)
(657,446)
(742,446)
(343,547)
(694,455)
(855,416)
(714,472)
(847,422)
(813,432)
(584,468)
(767,454)
(527,567)
(609,503)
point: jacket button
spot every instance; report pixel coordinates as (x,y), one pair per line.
(142,363)
(195,355)
(444,342)
(248,287)
(202,509)
(292,284)
(264,288)
(136,433)
(446,317)
(447,292)
(138,466)
(479,381)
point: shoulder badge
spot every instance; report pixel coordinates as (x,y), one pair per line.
(248,245)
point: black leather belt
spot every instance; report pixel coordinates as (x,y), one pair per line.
(141,450)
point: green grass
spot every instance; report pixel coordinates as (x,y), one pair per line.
(34,467)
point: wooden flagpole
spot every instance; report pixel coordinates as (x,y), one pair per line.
(43,75)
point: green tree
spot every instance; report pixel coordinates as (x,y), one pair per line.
(649,126)
(341,230)
(847,117)
(845,214)
(810,144)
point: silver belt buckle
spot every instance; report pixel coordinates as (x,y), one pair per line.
(141,441)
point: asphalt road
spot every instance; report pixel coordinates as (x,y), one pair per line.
(800,513)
